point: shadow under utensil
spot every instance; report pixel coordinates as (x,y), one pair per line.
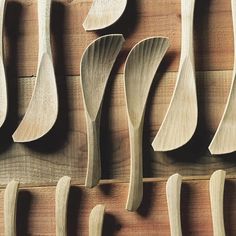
(74,211)
(57,137)
(24,202)
(147,201)
(127,23)
(12,26)
(148,151)
(229,207)
(111,225)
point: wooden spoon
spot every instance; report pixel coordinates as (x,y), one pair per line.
(10,205)
(96,64)
(42,111)
(104,13)
(173,191)
(3,85)
(181,118)
(62,193)
(224,140)
(140,69)
(96,220)
(217,182)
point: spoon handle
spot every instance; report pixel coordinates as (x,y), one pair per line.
(96,219)
(10,203)
(173,191)
(187,14)
(62,193)
(94,160)
(2,15)
(44,10)
(135,194)
(217,181)
(233,6)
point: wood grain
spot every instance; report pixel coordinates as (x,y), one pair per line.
(36,210)
(64,150)
(142,18)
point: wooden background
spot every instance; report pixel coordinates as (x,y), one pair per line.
(64,150)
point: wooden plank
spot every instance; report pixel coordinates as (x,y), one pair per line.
(142,18)
(36,210)
(64,150)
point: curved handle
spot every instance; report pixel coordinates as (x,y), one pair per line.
(44,12)
(135,194)
(217,181)
(187,14)
(94,160)
(10,204)
(2,16)
(173,191)
(96,220)
(62,193)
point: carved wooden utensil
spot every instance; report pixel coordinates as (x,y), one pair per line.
(10,205)
(173,192)
(217,182)
(181,118)
(42,111)
(96,65)
(141,66)
(104,13)
(96,220)
(3,85)
(224,140)
(62,193)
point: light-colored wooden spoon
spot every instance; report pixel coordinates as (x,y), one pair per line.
(42,111)
(217,182)
(10,205)
(96,65)
(173,192)
(224,140)
(140,69)
(104,13)
(62,193)
(3,85)
(96,220)
(181,118)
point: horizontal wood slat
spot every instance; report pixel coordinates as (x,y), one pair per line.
(64,150)
(36,210)
(142,18)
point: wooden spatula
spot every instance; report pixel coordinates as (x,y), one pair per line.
(181,118)
(224,140)
(62,193)
(104,13)
(96,220)
(3,86)
(42,111)
(96,64)
(10,204)
(140,68)
(217,182)
(173,192)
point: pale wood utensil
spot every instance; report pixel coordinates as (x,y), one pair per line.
(3,85)
(10,204)
(96,220)
(224,140)
(173,192)
(104,13)
(42,111)
(140,68)
(62,193)
(217,182)
(96,65)
(180,120)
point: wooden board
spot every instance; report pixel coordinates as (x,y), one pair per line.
(142,18)
(36,210)
(64,150)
